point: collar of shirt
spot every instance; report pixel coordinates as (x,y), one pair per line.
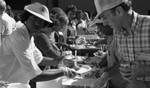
(134,27)
(135,22)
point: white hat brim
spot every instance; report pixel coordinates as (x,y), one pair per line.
(40,16)
(95,21)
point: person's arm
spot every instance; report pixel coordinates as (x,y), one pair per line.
(43,44)
(116,60)
(103,79)
(48,75)
(47,61)
(103,63)
(104,41)
(113,70)
(64,45)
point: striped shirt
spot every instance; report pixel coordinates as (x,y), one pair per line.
(138,41)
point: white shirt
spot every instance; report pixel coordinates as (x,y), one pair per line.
(7,26)
(19,24)
(19,57)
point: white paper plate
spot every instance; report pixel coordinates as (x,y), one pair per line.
(84,69)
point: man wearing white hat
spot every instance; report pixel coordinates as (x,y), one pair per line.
(131,31)
(19,58)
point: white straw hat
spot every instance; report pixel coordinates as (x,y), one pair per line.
(39,10)
(103,5)
(94,22)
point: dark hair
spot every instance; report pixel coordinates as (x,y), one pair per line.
(78,12)
(57,15)
(51,24)
(71,8)
(17,17)
(55,10)
(106,30)
(60,18)
(24,16)
(126,6)
(9,11)
(93,14)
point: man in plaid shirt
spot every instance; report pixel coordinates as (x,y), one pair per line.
(132,34)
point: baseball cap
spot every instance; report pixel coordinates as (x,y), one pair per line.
(38,10)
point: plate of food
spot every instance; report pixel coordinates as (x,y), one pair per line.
(81,40)
(69,57)
(78,46)
(90,46)
(100,54)
(84,69)
(80,58)
(66,53)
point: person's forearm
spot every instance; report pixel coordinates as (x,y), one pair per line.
(48,75)
(113,70)
(50,61)
(103,63)
(101,42)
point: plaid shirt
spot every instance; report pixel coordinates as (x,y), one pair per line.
(138,41)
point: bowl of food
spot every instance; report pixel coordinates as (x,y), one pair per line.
(83,70)
(81,40)
(69,57)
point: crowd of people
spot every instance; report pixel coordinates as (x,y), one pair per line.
(32,42)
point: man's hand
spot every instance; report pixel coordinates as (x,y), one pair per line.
(68,72)
(93,61)
(127,73)
(132,72)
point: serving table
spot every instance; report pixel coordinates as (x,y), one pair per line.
(86,80)
(79,81)
(84,50)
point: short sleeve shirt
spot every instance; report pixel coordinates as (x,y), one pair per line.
(19,57)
